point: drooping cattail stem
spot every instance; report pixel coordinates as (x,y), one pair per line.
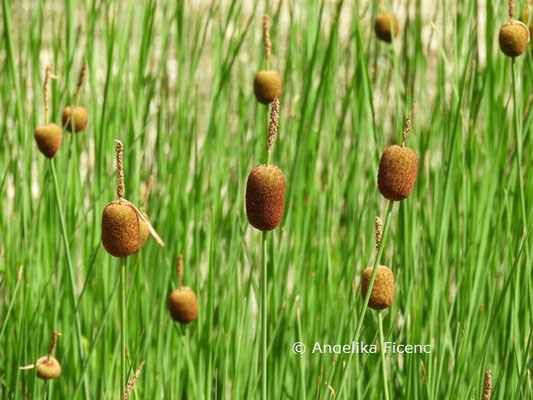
(131,383)
(511,10)
(266,38)
(273,125)
(81,79)
(120,173)
(379,232)
(53,343)
(487,387)
(179,269)
(407,125)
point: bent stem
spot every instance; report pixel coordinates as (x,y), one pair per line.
(72,295)
(264,334)
(383,361)
(122,262)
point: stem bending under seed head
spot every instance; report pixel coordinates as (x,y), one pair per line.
(273,125)
(266,38)
(120,174)
(407,125)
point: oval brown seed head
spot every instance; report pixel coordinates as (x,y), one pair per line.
(513,38)
(386,26)
(144,232)
(183,305)
(382,293)
(267,86)
(265,197)
(397,172)
(80,116)
(48,139)
(120,229)
(48,368)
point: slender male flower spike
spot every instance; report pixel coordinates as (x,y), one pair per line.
(131,383)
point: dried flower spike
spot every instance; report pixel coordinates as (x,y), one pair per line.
(267,83)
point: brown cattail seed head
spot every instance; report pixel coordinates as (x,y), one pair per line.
(382,293)
(120,229)
(183,305)
(48,368)
(49,139)
(79,117)
(397,172)
(513,38)
(265,197)
(267,86)
(386,26)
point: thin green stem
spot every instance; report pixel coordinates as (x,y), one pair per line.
(71,285)
(122,262)
(383,360)
(264,330)
(518,138)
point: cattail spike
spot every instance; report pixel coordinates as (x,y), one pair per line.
(379,232)
(131,383)
(81,79)
(179,269)
(487,387)
(47,75)
(511,9)
(53,343)
(266,38)
(407,124)
(273,125)
(120,167)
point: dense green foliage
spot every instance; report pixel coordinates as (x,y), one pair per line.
(174,81)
